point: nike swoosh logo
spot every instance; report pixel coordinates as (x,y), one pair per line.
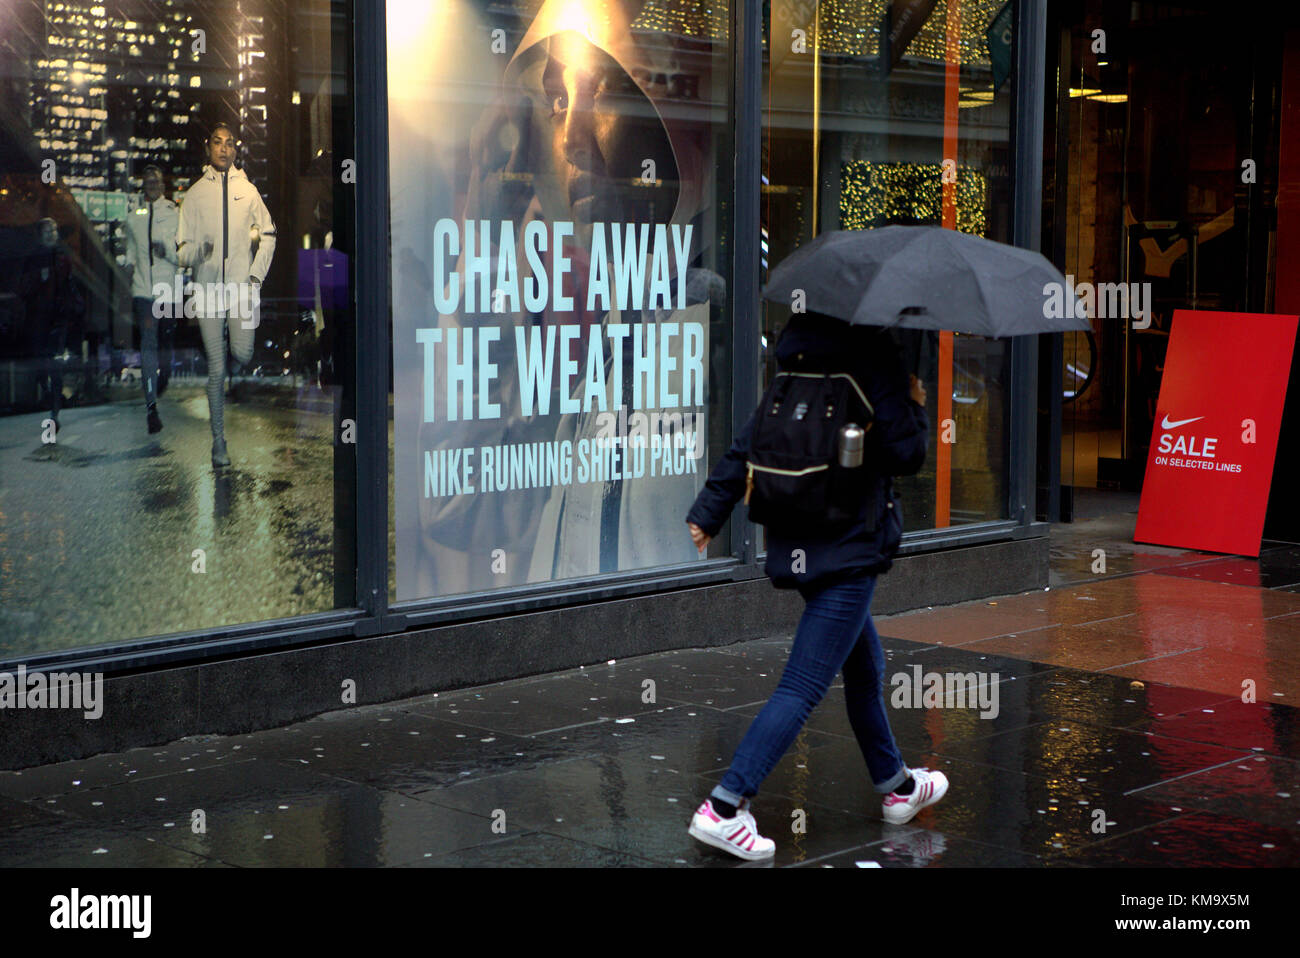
(1166,424)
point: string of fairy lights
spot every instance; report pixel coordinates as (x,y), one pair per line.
(848,27)
(872,194)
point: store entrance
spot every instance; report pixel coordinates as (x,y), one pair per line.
(1160,193)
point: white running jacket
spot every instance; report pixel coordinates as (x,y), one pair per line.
(247,222)
(150,268)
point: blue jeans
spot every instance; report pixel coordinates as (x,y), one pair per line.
(835,633)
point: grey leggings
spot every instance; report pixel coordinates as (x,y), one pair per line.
(152,330)
(241,347)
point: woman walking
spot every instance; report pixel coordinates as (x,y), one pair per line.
(835,573)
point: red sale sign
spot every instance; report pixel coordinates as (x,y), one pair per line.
(1216,430)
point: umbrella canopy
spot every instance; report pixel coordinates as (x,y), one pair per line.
(926,277)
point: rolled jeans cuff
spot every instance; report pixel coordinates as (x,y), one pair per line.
(884,788)
(728,796)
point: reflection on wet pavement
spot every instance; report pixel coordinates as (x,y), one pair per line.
(1225,626)
(1077,769)
(1142,719)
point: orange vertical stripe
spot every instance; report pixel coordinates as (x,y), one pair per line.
(943,450)
(952,81)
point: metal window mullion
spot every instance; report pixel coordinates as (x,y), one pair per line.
(1027,204)
(743,304)
(373,309)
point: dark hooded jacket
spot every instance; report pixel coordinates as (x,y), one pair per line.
(896,446)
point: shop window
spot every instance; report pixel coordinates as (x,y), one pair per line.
(560,271)
(860,133)
(125,127)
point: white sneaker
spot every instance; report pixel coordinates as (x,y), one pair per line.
(930,787)
(738,835)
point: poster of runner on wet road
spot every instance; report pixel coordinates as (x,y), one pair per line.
(556,278)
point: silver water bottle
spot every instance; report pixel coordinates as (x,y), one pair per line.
(851,440)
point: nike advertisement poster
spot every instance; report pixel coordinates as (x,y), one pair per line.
(1216,431)
(558,287)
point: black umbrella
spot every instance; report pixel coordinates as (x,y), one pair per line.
(925,277)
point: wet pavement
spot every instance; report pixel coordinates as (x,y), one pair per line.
(112,513)
(1120,738)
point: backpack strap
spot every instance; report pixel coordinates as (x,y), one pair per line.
(828,376)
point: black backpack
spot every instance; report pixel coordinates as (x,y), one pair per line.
(794,481)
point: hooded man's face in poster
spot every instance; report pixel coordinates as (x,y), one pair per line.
(607,156)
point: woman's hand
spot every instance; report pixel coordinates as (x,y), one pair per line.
(698,537)
(916,389)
